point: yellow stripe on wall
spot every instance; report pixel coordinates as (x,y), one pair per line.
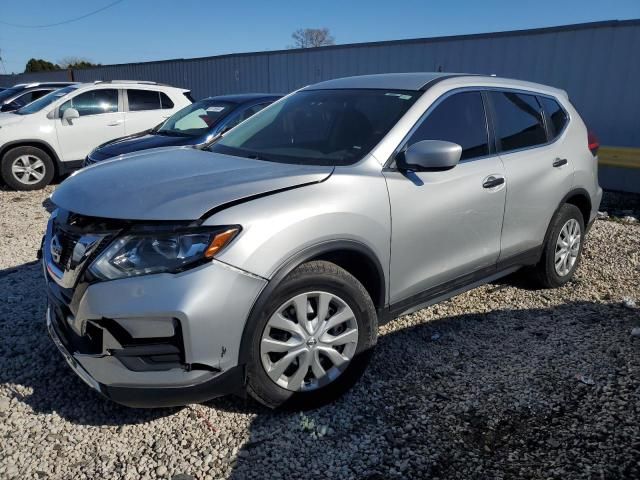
(624,157)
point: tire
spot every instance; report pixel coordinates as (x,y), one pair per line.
(27,157)
(312,285)
(567,219)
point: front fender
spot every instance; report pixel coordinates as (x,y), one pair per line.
(351,208)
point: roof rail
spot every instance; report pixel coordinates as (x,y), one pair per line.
(140,82)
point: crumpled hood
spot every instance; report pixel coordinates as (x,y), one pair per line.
(175,184)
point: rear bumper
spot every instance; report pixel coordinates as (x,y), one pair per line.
(202,388)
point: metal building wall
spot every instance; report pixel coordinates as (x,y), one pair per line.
(56,76)
(597,63)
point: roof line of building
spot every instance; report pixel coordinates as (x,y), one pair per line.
(471,36)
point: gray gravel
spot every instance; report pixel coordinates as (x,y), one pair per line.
(501,382)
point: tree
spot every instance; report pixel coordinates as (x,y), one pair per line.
(40,65)
(76,62)
(312,37)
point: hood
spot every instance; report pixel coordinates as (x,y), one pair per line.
(175,184)
(140,141)
(10,118)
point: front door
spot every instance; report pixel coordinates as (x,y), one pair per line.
(100,121)
(446,225)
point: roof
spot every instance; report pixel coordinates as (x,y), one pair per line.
(407,41)
(395,81)
(245,97)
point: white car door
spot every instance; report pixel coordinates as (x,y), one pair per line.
(100,120)
(144,109)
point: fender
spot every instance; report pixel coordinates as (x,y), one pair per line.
(61,167)
(289,265)
(571,193)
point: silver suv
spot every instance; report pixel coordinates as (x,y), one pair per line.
(267,260)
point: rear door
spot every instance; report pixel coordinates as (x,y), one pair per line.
(144,109)
(538,168)
(101,119)
(446,224)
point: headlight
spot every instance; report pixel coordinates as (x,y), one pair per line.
(146,253)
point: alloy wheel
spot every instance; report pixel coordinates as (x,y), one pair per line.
(309,341)
(567,247)
(28,169)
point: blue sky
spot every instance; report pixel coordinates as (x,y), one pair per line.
(142,30)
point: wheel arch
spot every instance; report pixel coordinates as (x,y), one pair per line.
(353,256)
(37,143)
(581,199)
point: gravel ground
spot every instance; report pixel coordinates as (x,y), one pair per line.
(504,381)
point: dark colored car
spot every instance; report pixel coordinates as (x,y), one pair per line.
(198,123)
(18,96)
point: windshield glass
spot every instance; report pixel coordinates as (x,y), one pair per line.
(196,119)
(8,93)
(42,102)
(319,127)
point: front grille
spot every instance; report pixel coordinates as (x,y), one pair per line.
(67,242)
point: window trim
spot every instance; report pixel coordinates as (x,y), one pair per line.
(535,94)
(390,163)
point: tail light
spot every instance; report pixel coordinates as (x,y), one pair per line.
(594,143)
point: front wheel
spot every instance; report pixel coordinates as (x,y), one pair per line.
(563,248)
(313,340)
(27,168)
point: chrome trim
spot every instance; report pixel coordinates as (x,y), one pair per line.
(82,251)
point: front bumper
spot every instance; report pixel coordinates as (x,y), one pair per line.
(156,340)
(223,383)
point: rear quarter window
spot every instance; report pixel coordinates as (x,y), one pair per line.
(556,116)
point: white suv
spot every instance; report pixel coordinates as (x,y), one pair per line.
(53,134)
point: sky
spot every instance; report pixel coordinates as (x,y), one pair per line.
(144,30)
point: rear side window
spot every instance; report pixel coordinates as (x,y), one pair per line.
(93,102)
(518,122)
(460,119)
(556,117)
(143,100)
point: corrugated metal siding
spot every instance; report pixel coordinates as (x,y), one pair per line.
(57,76)
(597,64)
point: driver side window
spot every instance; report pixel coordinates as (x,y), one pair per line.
(93,102)
(459,118)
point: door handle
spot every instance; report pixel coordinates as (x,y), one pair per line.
(558,162)
(113,124)
(492,181)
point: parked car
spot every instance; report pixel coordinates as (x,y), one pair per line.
(54,134)
(22,94)
(268,260)
(193,125)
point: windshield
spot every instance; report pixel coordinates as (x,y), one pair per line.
(42,102)
(319,127)
(196,119)
(8,93)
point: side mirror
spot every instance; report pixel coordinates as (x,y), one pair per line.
(69,115)
(430,155)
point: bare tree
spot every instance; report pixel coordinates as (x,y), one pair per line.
(76,62)
(312,37)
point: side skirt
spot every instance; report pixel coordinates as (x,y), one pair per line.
(458,285)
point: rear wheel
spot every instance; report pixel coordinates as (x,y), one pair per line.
(27,168)
(563,248)
(313,340)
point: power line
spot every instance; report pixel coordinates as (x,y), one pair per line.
(17,25)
